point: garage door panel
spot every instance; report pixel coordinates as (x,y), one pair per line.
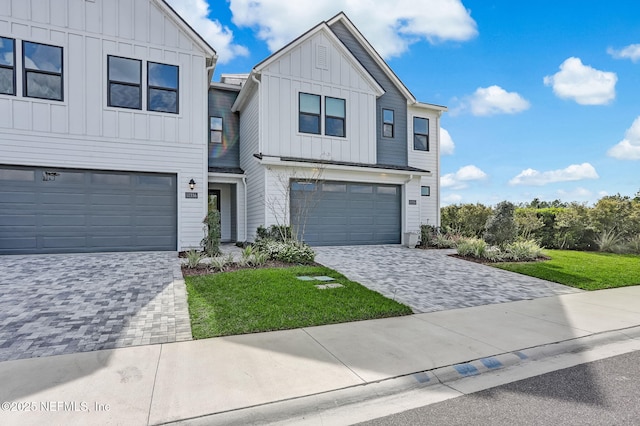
(351,213)
(19,242)
(63,210)
(62,242)
(58,220)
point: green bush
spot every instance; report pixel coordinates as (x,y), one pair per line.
(501,226)
(609,241)
(288,252)
(524,250)
(274,232)
(473,247)
(194,258)
(211,241)
(427,234)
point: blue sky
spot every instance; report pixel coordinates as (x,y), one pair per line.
(543,97)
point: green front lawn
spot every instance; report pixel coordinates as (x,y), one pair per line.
(255,300)
(585,270)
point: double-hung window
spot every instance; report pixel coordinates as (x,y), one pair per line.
(388,122)
(309,119)
(7,66)
(125,83)
(163,87)
(335,113)
(42,65)
(420,134)
(215,129)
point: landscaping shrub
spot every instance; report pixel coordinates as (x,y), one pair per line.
(288,252)
(522,250)
(501,227)
(472,247)
(427,234)
(274,232)
(633,245)
(609,241)
(194,258)
(211,241)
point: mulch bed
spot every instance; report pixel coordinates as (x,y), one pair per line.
(488,262)
(207,270)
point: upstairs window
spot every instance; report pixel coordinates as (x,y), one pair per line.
(125,83)
(42,71)
(388,122)
(215,129)
(420,134)
(335,113)
(163,87)
(309,119)
(7,66)
(425,191)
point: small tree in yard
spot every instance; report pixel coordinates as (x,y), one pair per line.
(211,241)
(501,227)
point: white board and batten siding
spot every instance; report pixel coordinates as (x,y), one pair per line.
(427,160)
(82,131)
(254,171)
(318,66)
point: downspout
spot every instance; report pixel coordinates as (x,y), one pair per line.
(406,203)
(437,224)
(244,182)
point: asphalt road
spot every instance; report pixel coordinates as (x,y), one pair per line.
(605,392)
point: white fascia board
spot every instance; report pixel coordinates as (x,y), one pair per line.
(276,161)
(218,85)
(197,38)
(244,93)
(225,177)
(432,107)
(373,53)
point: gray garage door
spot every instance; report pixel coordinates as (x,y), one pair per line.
(49,210)
(344,213)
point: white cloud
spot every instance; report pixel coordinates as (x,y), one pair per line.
(389,25)
(572,173)
(582,83)
(494,100)
(452,199)
(461,178)
(629,147)
(629,52)
(447,147)
(196,13)
(575,194)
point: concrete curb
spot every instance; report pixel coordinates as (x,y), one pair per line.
(282,411)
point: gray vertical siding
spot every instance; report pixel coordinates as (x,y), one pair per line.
(234,212)
(226,154)
(390,151)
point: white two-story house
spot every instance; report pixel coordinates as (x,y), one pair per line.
(322,135)
(103,125)
(112,136)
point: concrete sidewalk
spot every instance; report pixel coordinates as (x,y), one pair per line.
(170,382)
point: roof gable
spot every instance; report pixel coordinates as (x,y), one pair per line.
(342,18)
(179,20)
(330,35)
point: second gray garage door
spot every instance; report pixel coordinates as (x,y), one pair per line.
(52,210)
(345,213)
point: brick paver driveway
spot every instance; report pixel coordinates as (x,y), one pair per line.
(430,280)
(65,303)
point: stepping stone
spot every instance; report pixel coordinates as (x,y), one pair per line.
(305,278)
(328,286)
(324,278)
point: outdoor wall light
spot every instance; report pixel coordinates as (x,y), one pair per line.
(192,184)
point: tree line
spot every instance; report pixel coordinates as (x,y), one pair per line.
(611,224)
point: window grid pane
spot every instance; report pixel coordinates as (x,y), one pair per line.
(42,66)
(420,134)
(125,70)
(309,113)
(162,87)
(7,78)
(387,116)
(309,104)
(335,107)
